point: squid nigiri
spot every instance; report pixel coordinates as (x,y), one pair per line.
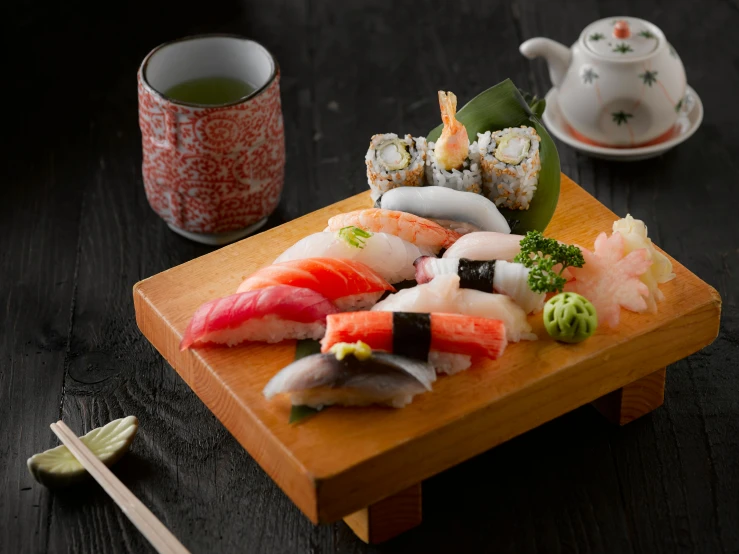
(500,276)
(388,255)
(446,341)
(485,246)
(359,377)
(348,284)
(444,294)
(447,204)
(417,230)
(270,314)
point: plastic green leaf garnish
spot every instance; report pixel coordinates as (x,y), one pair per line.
(354,236)
(540,255)
(58,467)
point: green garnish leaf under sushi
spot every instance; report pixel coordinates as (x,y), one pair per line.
(393,154)
(541,254)
(360,350)
(354,236)
(303,348)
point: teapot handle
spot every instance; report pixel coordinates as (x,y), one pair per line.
(557,55)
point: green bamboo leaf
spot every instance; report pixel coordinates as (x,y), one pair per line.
(304,348)
(59,468)
(504,106)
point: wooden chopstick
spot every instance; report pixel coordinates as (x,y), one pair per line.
(157,534)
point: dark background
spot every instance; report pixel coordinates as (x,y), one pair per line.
(77,233)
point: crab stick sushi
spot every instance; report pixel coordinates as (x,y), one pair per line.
(446,341)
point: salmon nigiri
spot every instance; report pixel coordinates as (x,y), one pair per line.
(270,314)
(348,284)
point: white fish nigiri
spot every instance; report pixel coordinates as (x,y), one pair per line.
(444,295)
(322,379)
(500,276)
(446,204)
(485,246)
(390,256)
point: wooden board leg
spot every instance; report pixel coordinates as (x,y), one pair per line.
(389,517)
(634,400)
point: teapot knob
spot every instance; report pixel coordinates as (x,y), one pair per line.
(621,29)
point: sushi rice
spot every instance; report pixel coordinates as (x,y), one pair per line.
(469,179)
(510,185)
(382,178)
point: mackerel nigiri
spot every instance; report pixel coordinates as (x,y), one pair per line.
(348,284)
(417,230)
(372,378)
(500,276)
(485,246)
(270,314)
(446,341)
(444,294)
(388,255)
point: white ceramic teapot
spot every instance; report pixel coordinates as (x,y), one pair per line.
(621,84)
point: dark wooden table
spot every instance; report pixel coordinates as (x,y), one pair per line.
(77,233)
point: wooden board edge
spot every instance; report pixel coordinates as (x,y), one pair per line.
(333,491)
(294,480)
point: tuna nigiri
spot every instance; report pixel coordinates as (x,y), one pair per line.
(270,314)
(348,284)
(348,380)
(388,255)
(417,230)
(485,246)
(444,294)
(500,276)
(447,341)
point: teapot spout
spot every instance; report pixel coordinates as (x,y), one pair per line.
(558,56)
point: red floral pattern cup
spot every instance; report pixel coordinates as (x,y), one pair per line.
(213,173)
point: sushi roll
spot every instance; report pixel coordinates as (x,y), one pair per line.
(348,284)
(452,161)
(394,162)
(510,166)
(352,375)
(390,256)
(419,231)
(447,207)
(444,295)
(270,314)
(446,341)
(500,276)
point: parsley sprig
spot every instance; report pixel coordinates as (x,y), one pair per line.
(540,255)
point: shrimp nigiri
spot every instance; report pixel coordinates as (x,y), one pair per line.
(417,230)
(348,284)
(453,146)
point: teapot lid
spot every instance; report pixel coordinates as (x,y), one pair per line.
(622,38)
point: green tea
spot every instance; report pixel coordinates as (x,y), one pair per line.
(212,91)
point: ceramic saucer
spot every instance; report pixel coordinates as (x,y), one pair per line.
(690,119)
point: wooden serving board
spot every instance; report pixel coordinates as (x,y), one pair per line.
(366,465)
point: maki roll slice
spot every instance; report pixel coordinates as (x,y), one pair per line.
(452,161)
(510,166)
(394,162)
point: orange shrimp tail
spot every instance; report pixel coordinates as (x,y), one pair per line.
(448,106)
